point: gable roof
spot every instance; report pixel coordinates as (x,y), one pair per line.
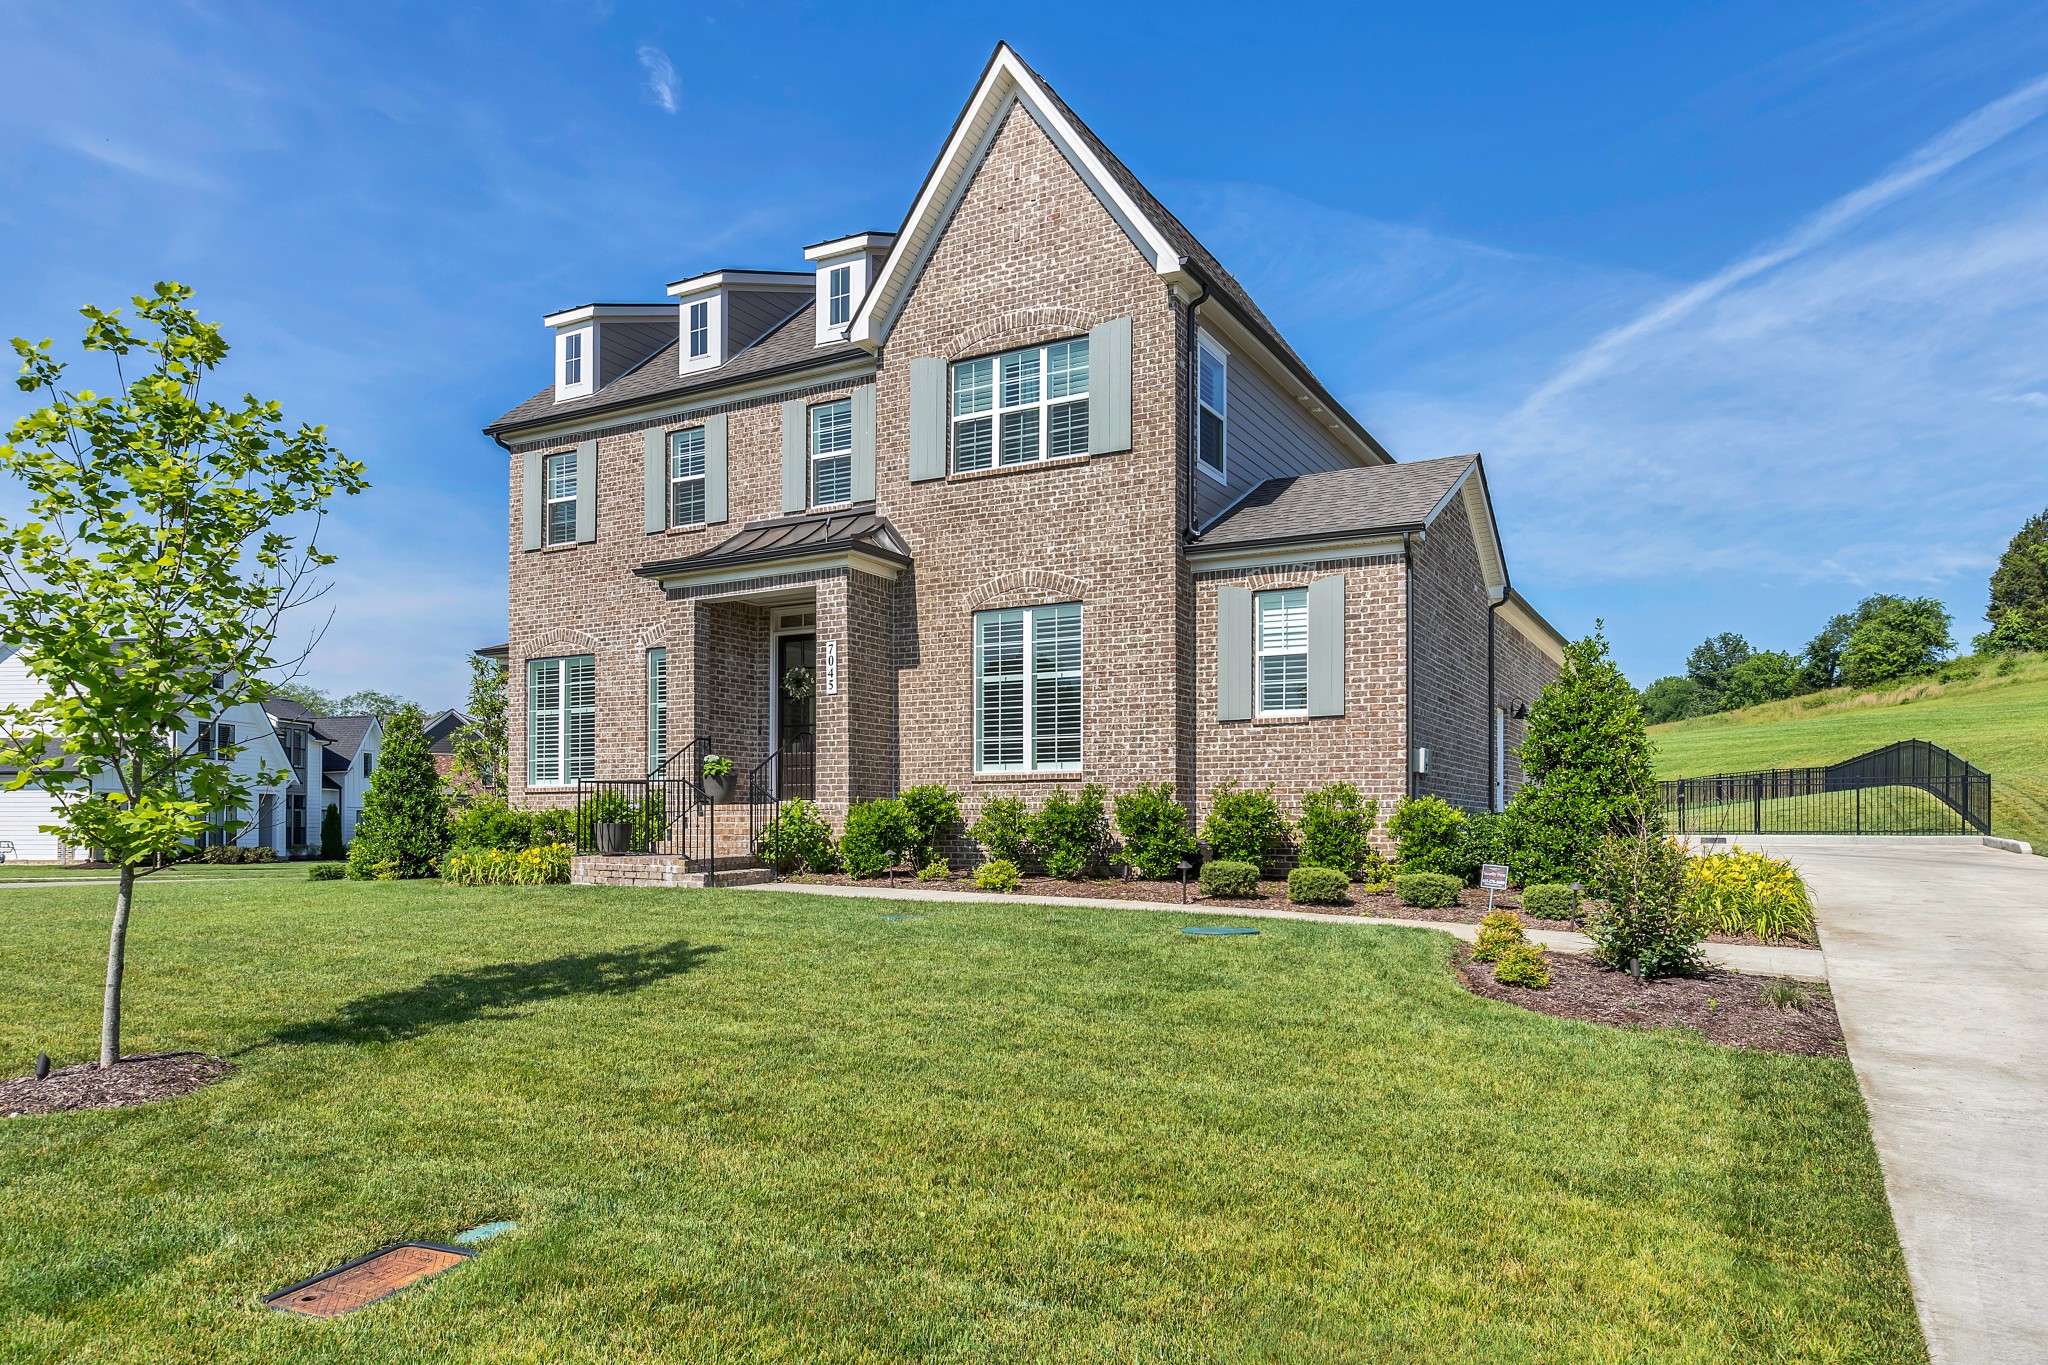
(1369,500)
(344,734)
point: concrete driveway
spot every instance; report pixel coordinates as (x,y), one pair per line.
(1937,951)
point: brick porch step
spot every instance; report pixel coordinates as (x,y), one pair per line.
(657,869)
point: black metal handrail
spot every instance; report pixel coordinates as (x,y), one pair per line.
(652,814)
(1911,787)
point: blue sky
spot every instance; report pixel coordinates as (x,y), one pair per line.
(1746,304)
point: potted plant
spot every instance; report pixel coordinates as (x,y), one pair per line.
(716,773)
(611,822)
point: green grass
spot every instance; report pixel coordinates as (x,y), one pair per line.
(746,1125)
(43,872)
(1997,721)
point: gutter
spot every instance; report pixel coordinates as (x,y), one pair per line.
(1191,360)
(1408,658)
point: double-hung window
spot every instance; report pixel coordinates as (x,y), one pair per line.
(561,720)
(572,359)
(657,707)
(700,329)
(1281,651)
(1021,406)
(1027,690)
(839,292)
(686,477)
(832,453)
(1212,410)
(558,480)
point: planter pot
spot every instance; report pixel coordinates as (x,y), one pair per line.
(718,790)
(612,836)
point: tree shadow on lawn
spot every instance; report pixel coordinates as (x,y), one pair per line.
(500,990)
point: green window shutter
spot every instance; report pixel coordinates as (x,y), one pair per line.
(1326,646)
(657,480)
(927,418)
(864,443)
(530,509)
(714,470)
(796,450)
(1109,387)
(1233,654)
(586,491)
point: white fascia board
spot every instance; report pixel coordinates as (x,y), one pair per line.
(1007,80)
(606,312)
(1471,487)
(741,279)
(1216,316)
(740,573)
(850,246)
(852,369)
(1217,559)
(1535,630)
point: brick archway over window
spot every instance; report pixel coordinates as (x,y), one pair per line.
(1034,322)
(1027,587)
(560,640)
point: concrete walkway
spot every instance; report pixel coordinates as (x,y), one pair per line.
(1937,953)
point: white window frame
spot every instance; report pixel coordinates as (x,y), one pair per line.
(1068,403)
(680,482)
(700,328)
(657,707)
(568,719)
(1031,619)
(1207,349)
(1260,653)
(572,360)
(836,454)
(552,468)
(839,294)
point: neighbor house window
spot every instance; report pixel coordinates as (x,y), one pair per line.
(1281,631)
(1212,410)
(561,720)
(214,737)
(367,765)
(1027,690)
(700,329)
(657,707)
(1021,406)
(295,820)
(839,289)
(572,358)
(559,479)
(686,477)
(832,453)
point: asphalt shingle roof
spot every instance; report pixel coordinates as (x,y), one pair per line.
(1388,497)
(344,734)
(857,528)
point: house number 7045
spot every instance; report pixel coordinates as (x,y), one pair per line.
(831,668)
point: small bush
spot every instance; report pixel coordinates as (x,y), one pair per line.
(1336,828)
(1783,993)
(1318,886)
(934,871)
(798,837)
(1644,925)
(1228,877)
(326,872)
(1155,830)
(331,846)
(934,813)
(1428,890)
(1551,900)
(1245,826)
(1738,892)
(1071,833)
(1004,829)
(1497,932)
(230,855)
(876,839)
(1521,964)
(1375,873)
(404,821)
(544,865)
(491,823)
(998,874)
(1430,832)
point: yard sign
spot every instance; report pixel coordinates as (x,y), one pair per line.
(1494,877)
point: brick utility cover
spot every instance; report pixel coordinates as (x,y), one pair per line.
(359,1283)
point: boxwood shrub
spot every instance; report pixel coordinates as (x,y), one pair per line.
(1004,828)
(876,838)
(1318,886)
(1155,830)
(997,874)
(1521,964)
(1428,890)
(1551,900)
(799,838)
(1227,877)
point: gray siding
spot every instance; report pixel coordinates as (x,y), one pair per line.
(622,345)
(1269,437)
(750,313)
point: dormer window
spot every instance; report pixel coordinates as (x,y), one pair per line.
(700,329)
(842,295)
(845,267)
(572,359)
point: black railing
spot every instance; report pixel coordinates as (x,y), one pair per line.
(659,813)
(1912,787)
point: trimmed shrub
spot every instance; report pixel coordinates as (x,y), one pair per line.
(1318,886)
(933,811)
(228,855)
(1004,828)
(1497,931)
(998,874)
(876,838)
(937,870)
(1430,832)
(1375,873)
(798,837)
(1521,964)
(1644,925)
(1071,833)
(490,823)
(1551,900)
(326,872)
(405,813)
(544,865)
(1228,877)
(1428,890)
(1336,828)
(1245,826)
(331,847)
(1738,892)
(1155,830)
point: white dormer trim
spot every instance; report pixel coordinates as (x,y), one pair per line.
(1007,82)
(577,339)
(713,290)
(860,257)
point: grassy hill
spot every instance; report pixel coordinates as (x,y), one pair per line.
(1992,712)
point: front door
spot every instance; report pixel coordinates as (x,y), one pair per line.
(796,708)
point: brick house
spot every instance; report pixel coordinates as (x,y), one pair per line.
(1027,492)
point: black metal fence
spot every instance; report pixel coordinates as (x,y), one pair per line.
(674,810)
(1912,787)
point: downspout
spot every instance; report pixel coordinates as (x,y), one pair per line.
(1408,658)
(1494,729)
(1191,366)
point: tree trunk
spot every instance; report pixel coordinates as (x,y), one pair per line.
(117,961)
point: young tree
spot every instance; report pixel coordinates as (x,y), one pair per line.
(481,746)
(403,830)
(145,585)
(332,849)
(2019,593)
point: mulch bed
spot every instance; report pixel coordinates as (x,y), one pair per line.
(1726,1007)
(134,1080)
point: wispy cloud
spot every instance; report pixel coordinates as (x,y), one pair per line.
(662,82)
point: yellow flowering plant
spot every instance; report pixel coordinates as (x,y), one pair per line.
(1742,892)
(541,865)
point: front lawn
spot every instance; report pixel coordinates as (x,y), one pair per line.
(746,1125)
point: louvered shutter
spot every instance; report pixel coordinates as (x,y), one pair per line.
(714,471)
(1109,387)
(657,480)
(1326,646)
(864,443)
(927,419)
(796,437)
(586,491)
(530,508)
(1233,654)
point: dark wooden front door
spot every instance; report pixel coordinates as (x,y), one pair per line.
(796,671)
